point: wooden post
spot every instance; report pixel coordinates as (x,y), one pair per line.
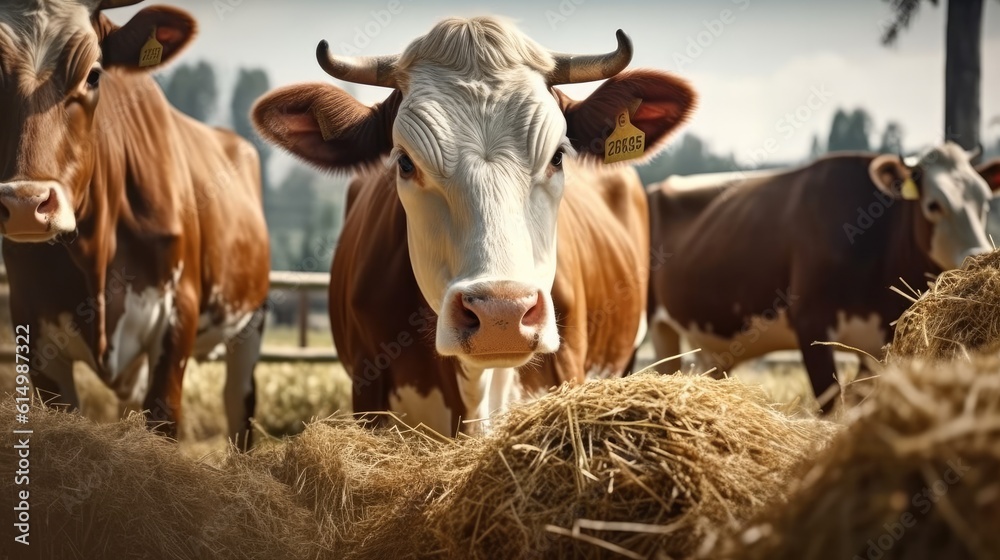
(303,318)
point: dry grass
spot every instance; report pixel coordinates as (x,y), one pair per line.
(959,314)
(914,477)
(639,465)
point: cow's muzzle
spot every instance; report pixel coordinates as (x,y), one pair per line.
(496,323)
(34,211)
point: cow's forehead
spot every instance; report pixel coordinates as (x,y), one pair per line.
(946,156)
(34,33)
(449,119)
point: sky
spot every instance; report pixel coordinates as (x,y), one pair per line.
(770,73)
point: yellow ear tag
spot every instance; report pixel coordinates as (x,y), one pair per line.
(152,51)
(625,141)
(909,190)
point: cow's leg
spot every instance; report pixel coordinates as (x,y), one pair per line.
(819,362)
(240,396)
(163,401)
(52,380)
(667,343)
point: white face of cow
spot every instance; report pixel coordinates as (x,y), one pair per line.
(476,137)
(480,175)
(953,196)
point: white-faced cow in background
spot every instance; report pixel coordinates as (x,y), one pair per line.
(781,259)
(133,235)
(485,256)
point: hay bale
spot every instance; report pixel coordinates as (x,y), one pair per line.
(958,315)
(914,476)
(638,465)
(119,491)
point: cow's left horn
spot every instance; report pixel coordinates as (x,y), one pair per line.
(575,68)
(369,70)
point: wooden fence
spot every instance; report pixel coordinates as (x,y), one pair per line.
(302,283)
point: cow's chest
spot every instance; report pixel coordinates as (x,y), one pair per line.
(136,324)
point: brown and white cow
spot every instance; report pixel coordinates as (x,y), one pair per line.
(133,235)
(781,259)
(488,257)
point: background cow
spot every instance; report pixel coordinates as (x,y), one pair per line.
(779,260)
(450,295)
(130,230)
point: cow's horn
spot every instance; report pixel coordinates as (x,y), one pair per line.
(370,70)
(574,68)
(909,162)
(976,152)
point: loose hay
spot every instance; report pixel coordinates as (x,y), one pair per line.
(914,477)
(643,466)
(958,315)
(117,491)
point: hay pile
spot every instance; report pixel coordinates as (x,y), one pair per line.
(635,466)
(117,491)
(958,315)
(914,476)
(639,466)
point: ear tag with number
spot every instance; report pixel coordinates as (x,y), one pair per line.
(625,142)
(152,51)
(909,190)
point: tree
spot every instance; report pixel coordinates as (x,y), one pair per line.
(892,139)
(850,131)
(816,149)
(250,85)
(963,59)
(192,89)
(688,155)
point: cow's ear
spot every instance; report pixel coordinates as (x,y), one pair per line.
(152,38)
(991,173)
(658,103)
(325,126)
(892,177)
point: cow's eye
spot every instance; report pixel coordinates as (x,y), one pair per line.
(557,159)
(406,167)
(934,207)
(94,78)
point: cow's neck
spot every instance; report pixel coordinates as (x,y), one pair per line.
(485,392)
(904,256)
(121,131)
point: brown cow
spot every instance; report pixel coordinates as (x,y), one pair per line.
(450,296)
(782,259)
(133,235)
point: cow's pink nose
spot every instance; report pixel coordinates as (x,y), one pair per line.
(27,209)
(499,318)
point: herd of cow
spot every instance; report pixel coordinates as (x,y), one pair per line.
(488,253)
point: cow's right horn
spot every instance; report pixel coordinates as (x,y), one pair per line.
(369,70)
(575,68)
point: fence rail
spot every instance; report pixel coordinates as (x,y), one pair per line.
(301,282)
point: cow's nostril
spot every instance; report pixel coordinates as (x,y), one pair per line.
(4,213)
(534,315)
(49,204)
(467,318)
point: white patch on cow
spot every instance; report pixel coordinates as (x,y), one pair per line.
(640,333)
(211,341)
(140,330)
(414,408)
(761,335)
(487,392)
(597,372)
(863,333)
